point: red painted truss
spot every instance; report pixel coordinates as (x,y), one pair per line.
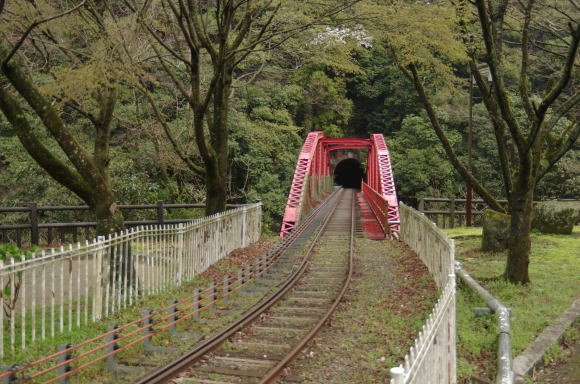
(313,178)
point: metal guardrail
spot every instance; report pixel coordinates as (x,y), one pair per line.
(379,206)
(505,374)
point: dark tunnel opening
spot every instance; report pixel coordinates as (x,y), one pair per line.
(349,173)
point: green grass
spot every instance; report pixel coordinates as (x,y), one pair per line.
(555,283)
(463,231)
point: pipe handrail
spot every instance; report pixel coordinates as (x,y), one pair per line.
(505,374)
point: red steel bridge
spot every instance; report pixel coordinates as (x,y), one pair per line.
(313,180)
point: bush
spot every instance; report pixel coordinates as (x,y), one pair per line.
(554,217)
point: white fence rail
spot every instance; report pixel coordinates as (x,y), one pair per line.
(53,292)
(432,360)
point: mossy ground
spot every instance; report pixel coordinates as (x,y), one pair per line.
(389,299)
(555,283)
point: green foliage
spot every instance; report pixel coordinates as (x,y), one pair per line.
(382,98)
(324,106)
(278,96)
(425,35)
(264,147)
(420,165)
(10,251)
(564,180)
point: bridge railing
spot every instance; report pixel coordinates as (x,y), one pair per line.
(50,293)
(432,359)
(379,206)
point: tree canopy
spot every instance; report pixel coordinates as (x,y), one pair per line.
(156,95)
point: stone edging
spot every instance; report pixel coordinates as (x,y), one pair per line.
(524,363)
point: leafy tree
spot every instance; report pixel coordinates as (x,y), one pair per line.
(76,74)
(263,153)
(195,41)
(381,97)
(528,147)
(420,165)
(324,106)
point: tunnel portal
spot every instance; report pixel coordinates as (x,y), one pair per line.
(349,173)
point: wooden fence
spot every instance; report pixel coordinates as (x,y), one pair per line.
(50,293)
(451,212)
(432,359)
(34,232)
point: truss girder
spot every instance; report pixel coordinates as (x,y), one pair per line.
(386,180)
(312,179)
(311,162)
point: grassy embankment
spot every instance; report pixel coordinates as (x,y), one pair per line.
(555,283)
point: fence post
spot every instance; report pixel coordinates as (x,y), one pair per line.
(227,288)
(422,204)
(64,358)
(99,283)
(160,213)
(11,377)
(33,216)
(452,212)
(244,212)
(2,329)
(398,375)
(180,234)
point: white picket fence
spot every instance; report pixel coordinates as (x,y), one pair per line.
(432,360)
(50,293)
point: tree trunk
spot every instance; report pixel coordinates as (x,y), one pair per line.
(216,193)
(519,244)
(109,216)
(217,169)
(110,220)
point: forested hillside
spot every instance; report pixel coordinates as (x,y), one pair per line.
(138,101)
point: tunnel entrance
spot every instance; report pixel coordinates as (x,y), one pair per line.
(349,173)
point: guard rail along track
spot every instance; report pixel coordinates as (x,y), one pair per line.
(258,346)
(303,286)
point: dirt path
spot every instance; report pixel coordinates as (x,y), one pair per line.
(567,372)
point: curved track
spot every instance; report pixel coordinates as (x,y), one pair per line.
(258,346)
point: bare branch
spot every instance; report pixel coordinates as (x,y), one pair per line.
(460,168)
(493,51)
(34,25)
(498,127)
(563,109)
(565,75)
(523,83)
(174,142)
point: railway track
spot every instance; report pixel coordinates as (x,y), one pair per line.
(259,345)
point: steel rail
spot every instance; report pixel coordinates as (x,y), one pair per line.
(274,254)
(278,369)
(169,371)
